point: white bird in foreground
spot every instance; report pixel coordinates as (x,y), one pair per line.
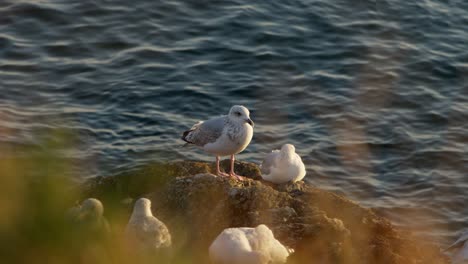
(281,166)
(246,245)
(460,249)
(144,230)
(222,136)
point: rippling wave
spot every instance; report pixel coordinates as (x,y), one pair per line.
(372,93)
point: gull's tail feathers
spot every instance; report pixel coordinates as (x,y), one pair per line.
(184,137)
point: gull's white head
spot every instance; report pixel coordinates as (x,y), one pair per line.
(288,148)
(240,114)
(142,207)
(92,206)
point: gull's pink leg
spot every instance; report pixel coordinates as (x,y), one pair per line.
(232,173)
(218,171)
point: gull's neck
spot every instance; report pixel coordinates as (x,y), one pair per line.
(286,155)
(143,211)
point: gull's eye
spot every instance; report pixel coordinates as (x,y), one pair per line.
(238,114)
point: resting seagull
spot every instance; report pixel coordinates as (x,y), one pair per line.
(144,230)
(246,245)
(460,249)
(222,136)
(89,219)
(281,166)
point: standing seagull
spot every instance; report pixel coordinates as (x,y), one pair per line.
(222,136)
(146,231)
(281,166)
(460,249)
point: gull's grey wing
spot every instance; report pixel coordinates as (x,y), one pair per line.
(205,132)
(269,161)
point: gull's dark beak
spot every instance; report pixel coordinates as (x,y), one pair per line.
(250,122)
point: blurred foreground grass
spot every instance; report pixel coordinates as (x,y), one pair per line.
(36,190)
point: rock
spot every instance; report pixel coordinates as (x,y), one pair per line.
(321,227)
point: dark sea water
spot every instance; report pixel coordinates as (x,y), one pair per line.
(373,94)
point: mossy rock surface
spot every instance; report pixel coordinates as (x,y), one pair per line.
(321,227)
